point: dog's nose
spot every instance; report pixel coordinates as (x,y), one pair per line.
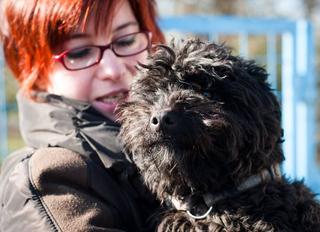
(165,120)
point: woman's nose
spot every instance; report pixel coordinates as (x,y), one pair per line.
(110,66)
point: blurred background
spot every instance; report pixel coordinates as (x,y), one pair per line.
(259,14)
(281,35)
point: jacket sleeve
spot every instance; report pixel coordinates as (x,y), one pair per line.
(55,195)
(19,211)
(62,179)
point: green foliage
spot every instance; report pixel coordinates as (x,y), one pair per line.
(14,139)
(11,87)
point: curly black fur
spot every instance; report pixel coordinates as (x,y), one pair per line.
(200,119)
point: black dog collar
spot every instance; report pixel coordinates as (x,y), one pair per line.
(186,204)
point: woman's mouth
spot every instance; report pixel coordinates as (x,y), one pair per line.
(111,99)
(106,104)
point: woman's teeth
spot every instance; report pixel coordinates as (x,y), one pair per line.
(113,98)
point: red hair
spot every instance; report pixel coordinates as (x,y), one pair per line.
(32,30)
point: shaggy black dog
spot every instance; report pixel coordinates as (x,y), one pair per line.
(203,127)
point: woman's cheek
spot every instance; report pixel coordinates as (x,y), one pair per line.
(134,60)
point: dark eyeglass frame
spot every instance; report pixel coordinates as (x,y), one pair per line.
(59,57)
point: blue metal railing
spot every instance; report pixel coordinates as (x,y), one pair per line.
(295,84)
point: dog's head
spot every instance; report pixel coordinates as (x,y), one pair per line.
(200,119)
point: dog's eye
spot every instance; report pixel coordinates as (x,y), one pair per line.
(196,86)
(207,94)
(190,85)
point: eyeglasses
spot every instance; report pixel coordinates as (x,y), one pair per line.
(87,56)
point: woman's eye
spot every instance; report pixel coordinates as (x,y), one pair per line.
(79,53)
(125,41)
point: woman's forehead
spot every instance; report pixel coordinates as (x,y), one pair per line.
(120,16)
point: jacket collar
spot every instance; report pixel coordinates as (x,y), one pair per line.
(56,121)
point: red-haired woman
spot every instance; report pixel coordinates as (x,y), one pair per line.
(74,61)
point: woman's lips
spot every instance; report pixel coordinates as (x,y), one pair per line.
(106,104)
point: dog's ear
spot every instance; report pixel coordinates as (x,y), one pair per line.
(161,60)
(257,100)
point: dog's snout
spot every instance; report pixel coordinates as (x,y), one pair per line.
(165,120)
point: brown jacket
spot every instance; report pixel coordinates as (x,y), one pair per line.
(72,185)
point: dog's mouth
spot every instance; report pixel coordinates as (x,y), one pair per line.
(161,140)
(168,141)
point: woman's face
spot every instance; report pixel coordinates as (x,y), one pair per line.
(106,83)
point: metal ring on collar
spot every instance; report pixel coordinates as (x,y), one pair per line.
(201,216)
